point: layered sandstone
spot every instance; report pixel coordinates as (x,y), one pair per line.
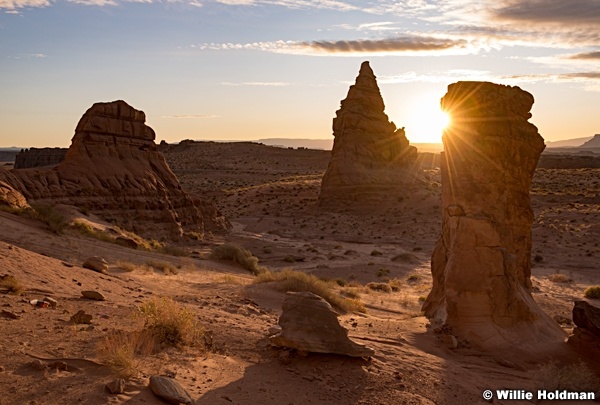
(39,157)
(481,264)
(113,170)
(370,156)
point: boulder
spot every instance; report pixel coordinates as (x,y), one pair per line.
(93,295)
(81,318)
(481,263)
(586,335)
(169,390)
(308,323)
(113,170)
(371,159)
(96,263)
(116,386)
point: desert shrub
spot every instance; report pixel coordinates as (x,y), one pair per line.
(54,220)
(559,278)
(193,235)
(11,284)
(376,253)
(129,266)
(538,259)
(165,267)
(171,250)
(382,272)
(384,287)
(574,377)
(122,351)
(289,259)
(395,284)
(90,231)
(413,277)
(171,323)
(296,281)
(592,292)
(239,255)
(405,258)
(352,292)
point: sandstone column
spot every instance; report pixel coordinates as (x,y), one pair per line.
(481,264)
(369,153)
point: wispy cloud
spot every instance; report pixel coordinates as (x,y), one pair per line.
(409,44)
(99,3)
(377,26)
(268,84)
(571,12)
(28,56)
(586,55)
(294,4)
(191,116)
(13,5)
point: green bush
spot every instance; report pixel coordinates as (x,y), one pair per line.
(592,292)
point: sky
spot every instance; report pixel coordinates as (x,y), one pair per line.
(252,69)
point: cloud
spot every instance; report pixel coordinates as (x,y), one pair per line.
(293,4)
(586,55)
(13,5)
(99,3)
(409,44)
(377,26)
(29,55)
(571,12)
(589,80)
(191,116)
(268,84)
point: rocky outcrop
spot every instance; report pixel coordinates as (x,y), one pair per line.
(39,157)
(370,158)
(112,169)
(586,335)
(481,263)
(592,143)
(310,324)
(11,198)
(169,390)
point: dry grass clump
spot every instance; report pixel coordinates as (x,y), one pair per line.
(574,377)
(10,284)
(123,351)
(166,267)
(239,255)
(296,281)
(92,232)
(592,292)
(383,287)
(171,323)
(405,258)
(54,220)
(129,266)
(559,278)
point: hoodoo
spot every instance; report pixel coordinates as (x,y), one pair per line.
(370,156)
(481,264)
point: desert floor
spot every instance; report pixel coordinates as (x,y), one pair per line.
(270,196)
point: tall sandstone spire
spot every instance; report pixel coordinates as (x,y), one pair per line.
(368,153)
(481,264)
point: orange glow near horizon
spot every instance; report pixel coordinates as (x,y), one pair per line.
(424,120)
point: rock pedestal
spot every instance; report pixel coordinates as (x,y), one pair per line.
(586,335)
(370,157)
(481,263)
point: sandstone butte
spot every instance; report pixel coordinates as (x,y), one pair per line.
(371,158)
(113,170)
(481,264)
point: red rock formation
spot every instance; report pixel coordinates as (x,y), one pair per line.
(481,264)
(370,156)
(113,170)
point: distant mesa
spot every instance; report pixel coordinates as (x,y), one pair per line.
(370,156)
(39,157)
(592,143)
(113,170)
(481,264)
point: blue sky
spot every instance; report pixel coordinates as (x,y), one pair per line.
(250,69)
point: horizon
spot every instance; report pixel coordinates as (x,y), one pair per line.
(254,69)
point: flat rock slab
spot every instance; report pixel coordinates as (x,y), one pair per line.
(169,390)
(93,295)
(310,324)
(96,263)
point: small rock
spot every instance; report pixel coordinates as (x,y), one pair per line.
(9,314)
(116,387)
(562,320)
(38,365)
(450,341)
(169,390)
(51,301)
(273,330)
(93,295)
(81,317)
(96,263)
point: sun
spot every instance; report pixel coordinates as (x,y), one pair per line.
(424,121)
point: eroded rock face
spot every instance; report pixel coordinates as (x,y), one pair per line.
(112,169)
(11,198)
(481,264)
(310,324)
(370,156)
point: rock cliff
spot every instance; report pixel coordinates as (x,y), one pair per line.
(39,157)
(113,170)
(481,264)
(370,156)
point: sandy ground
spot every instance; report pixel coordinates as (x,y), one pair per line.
(269,194)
